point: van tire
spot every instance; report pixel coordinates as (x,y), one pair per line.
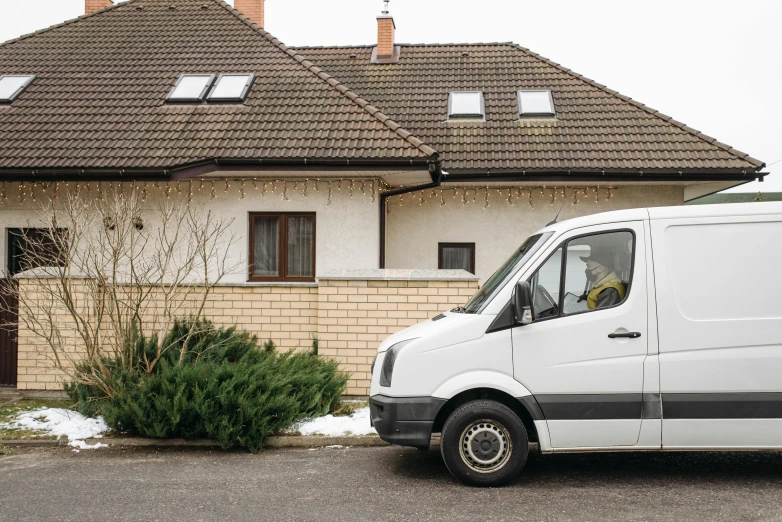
(484,443)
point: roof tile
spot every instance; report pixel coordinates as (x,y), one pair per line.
(596,128)
(101,82)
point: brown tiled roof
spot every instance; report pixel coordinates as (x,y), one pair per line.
(596,128)
(98,100)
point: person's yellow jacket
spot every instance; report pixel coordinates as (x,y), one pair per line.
(610,281)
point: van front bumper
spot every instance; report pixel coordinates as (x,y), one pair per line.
(406,421)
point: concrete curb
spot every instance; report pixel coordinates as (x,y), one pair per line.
(41,394)
(283,441)
(138,442)
(33,443)
(316,441)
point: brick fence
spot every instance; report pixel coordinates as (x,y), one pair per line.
(350,312)
(355,313)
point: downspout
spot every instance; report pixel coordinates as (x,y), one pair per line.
(437,173)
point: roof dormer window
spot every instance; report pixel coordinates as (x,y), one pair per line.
(191,88)
(536,104)
(11,86)
(466,104)
(231,88)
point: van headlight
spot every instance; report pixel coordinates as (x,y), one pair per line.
(388,362)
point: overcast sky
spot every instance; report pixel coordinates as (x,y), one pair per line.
(715,65)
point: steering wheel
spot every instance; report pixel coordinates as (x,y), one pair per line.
(543,301)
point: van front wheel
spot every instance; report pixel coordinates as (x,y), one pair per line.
(484,443)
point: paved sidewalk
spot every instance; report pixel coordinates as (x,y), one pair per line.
(389,483)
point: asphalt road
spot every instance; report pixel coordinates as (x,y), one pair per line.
(389,483)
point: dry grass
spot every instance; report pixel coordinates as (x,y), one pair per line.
(346,408)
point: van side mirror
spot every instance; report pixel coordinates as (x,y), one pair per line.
(522,303)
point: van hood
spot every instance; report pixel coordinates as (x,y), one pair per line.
(443,330)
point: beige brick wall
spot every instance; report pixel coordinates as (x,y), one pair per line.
(351,318)
(36,368)
(288,315)
(355,316)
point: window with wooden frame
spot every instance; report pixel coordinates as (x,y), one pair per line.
(30,248)
(456,256)
(282,246)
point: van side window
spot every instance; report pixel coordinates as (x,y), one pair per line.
(597,271)
(545,287)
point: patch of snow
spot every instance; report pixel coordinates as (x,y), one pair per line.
(80,444)
(60,423)
(335,446)
(331,426)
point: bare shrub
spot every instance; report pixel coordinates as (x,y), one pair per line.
(115,271)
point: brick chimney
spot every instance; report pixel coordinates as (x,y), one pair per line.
(386,50)
(90,6)
(252,9)
(385,36)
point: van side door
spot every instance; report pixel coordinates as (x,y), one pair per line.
(719,306)
(583,355)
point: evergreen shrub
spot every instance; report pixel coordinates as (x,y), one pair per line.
(213,384)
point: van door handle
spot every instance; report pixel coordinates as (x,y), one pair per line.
(629,335)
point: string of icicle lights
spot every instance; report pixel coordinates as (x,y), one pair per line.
(509,195)
(371,188)
(214,188)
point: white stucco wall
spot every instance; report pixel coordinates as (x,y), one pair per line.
(347,230)
(414,229)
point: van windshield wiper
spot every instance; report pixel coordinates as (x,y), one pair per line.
(461,310)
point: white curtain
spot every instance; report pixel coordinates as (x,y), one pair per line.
(455,258)
(266,246)
(300,246)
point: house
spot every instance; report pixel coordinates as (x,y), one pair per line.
(406,158)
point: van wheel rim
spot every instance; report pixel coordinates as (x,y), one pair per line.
(486,446)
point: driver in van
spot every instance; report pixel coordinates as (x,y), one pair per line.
(607,289)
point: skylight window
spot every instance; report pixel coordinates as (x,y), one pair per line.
(536,103)
(231,88)
(191,88)
(466,104)
(11,86)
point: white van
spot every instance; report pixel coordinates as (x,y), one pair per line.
(644,329)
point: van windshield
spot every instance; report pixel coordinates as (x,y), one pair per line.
(501,277)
